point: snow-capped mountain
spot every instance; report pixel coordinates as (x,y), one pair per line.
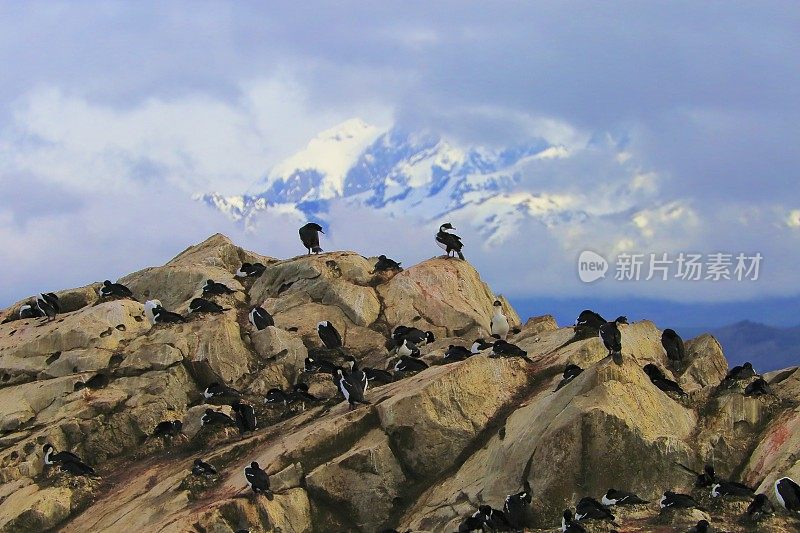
(426,176)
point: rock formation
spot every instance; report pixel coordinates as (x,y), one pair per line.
(423,454)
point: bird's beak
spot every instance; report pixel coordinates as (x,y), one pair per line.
(321,231)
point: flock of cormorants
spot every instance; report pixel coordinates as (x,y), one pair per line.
(353,380)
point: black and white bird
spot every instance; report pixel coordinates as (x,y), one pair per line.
(384,264)
(214,288)
(455,352)
(732,489)
(117,290)
(316,364)
(501,348)
(277,397)
(759,507)
(739,373)
(250,270)
(588,324)
(703,479)
(167,428)
(202,468)
(621,497)
(257,480)
(260,318)
(244,416)
(29,310)
(329,335)
(216,418)
(758,387)
(201,305)
(300,394)
(788,494)
(673,345)
(569,524)
(499,323)
(350,386)
(676,500)
(516,505)
(67,461)
(658,379)
(48,305)
(156,313)
(494,519)
(449,242)
(413,335)
(473,523)
(612,338)
(480,345)
(96,382)
(407,349)
(701,526)
(220,390)
(309,236)
(407,363)
(149,310)
(370,374)
(590,509)
(571,371)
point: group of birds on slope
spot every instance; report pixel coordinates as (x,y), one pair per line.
(352,383)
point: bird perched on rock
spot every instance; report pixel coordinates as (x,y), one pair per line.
(588,324)
(516,505)
(407,349)
(371,374)
(501,348)
(758,387)
(67,461)
(612,338)
(216,418)
(590,509)
(29,310)
(499,323)
(329,335)
(214,288)
(480,345)
(168,429)
(703,479)
(739,373)
(260,318)
(449,242)
(759,507)
(162,316)
(202,468)
(456,353)
(48,305)
(570,372)
(494,519)
(309,236)
(118,290)
(676,500)
(413,335)
(621,497)
(316,364)
(384,264)
(250,270)
(569,524)
(351,386)
(406,363)
(257,480)
(472,523)
(201,305)
(658,379)
(244,416)
(277,396)
(702,526)
(673,345)
(220,390)
(788,494)
(96,382)
(731,488)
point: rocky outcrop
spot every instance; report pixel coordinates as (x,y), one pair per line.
(425,452)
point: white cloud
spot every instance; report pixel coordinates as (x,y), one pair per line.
(793,218)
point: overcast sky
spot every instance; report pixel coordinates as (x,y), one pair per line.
(113,114)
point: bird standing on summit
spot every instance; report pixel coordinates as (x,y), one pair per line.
(499,322)
(673,345)
(48,305)
(309,236)
(612,338)
(449,242)
(329,335)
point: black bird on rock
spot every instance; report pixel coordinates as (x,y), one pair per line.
(658,379)
(250,270)
(588,324)
(309,236)
(406,363)
(162,316)
(759,387)
(407,349)
(29,310)
(316,364)
(501,348)
(202,468)
(67,461)
(201,305)
(473,523)
(480,345)
(258,480)
(676,500)
(787,493)
(48,305)
(456,353)
(732,489)
(449,242)
(759,507)
(673,345)
(244,416)
(590,509)
(621,497)
(702,526)
(216,418)
(214,288)
(570,372)
(739,373)
(496,520)
(612,338)
(220,390)
(329,335)
(168,428)
(118,290)
(703,479)
(413,335)
(384,264)
(277,396)
(351,385)
(569,524)
(516,505)
(260,318)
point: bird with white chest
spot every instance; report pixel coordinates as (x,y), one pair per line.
(499,322)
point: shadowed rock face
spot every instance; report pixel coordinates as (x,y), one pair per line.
(425,452)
